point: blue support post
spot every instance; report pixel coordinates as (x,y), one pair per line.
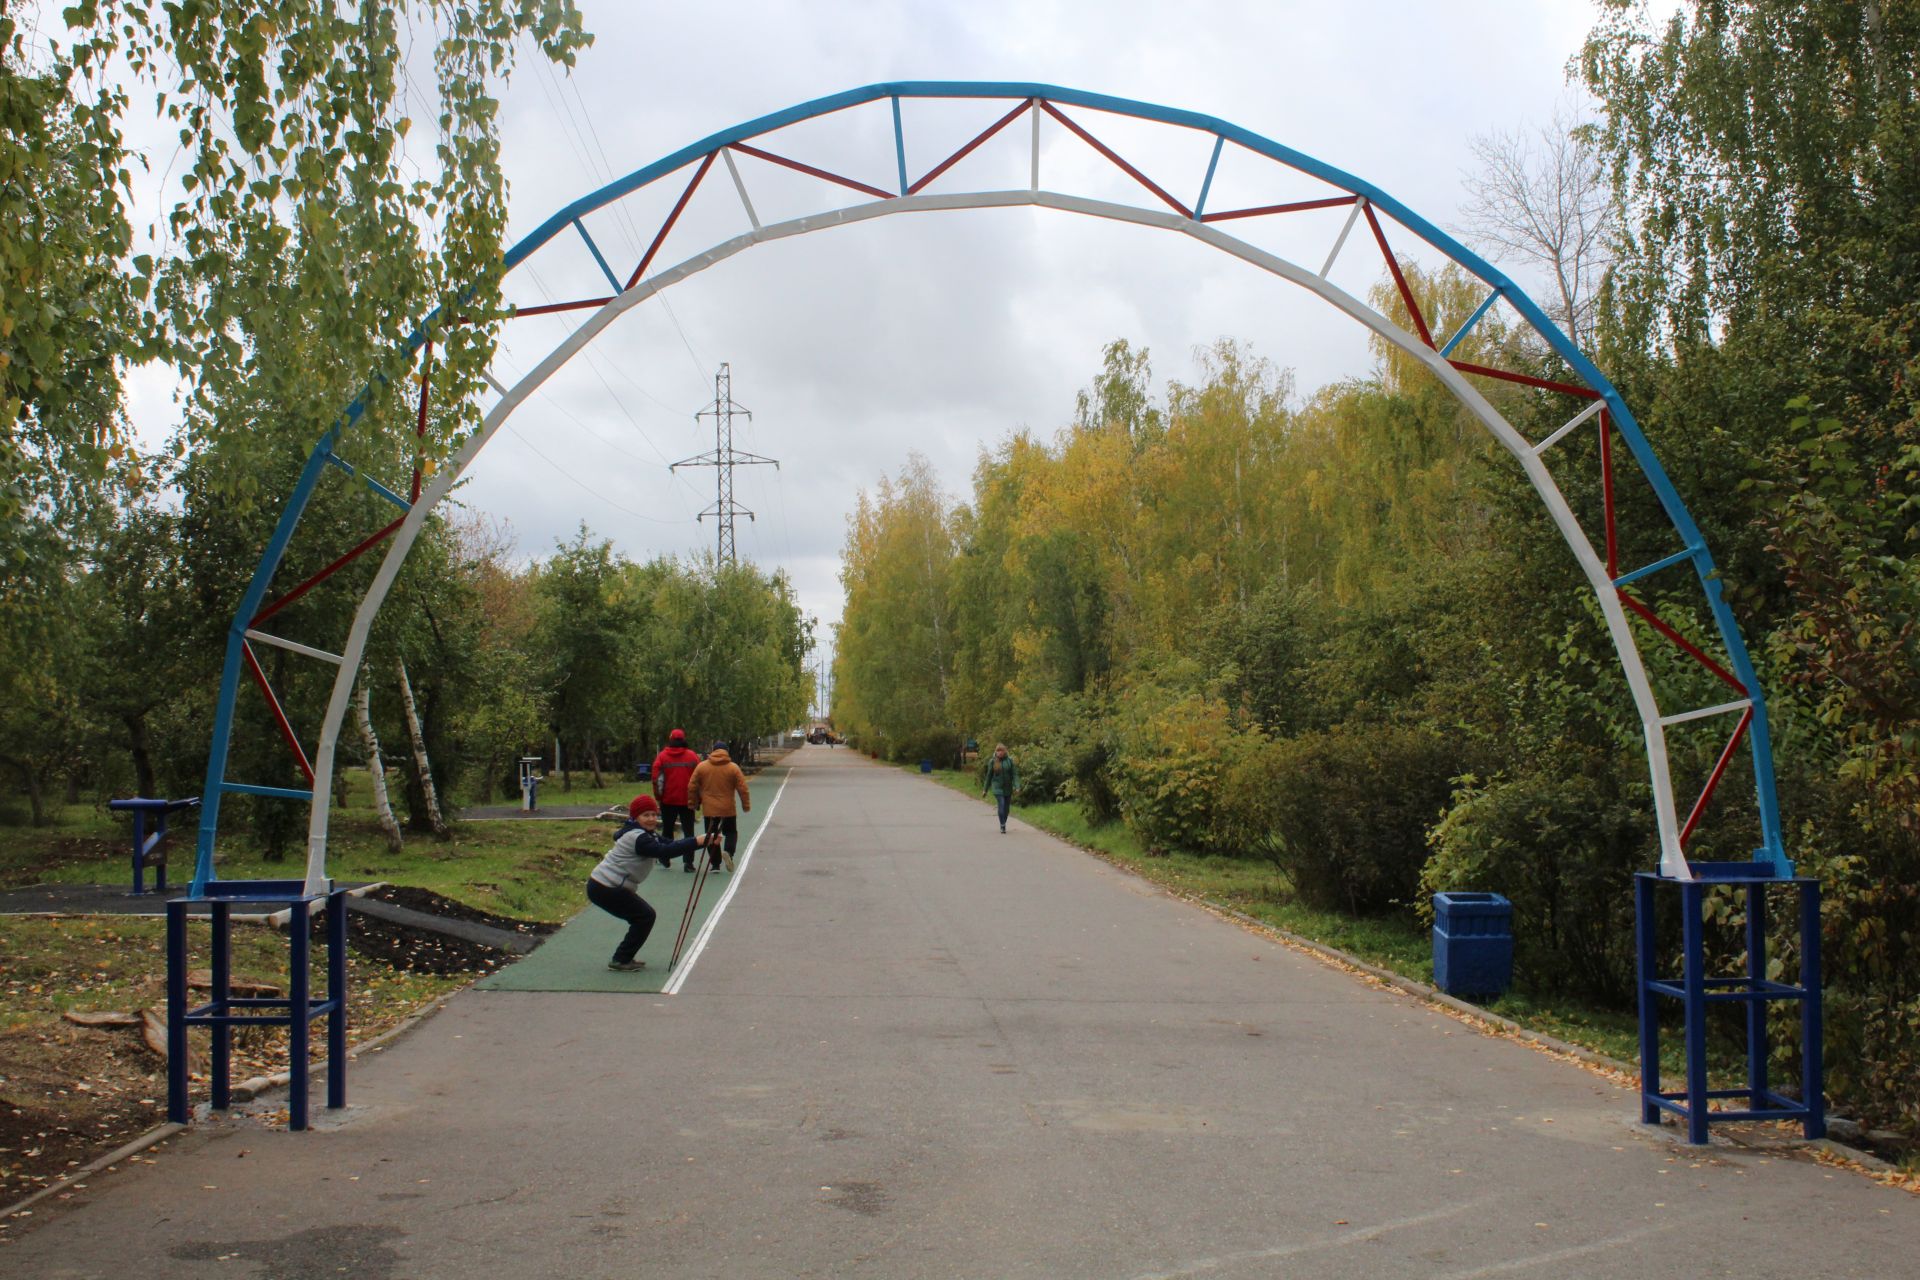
(1756,1009)
(1693,952)
(337,999)
(299,1005)
(177,1108)
(221,1071)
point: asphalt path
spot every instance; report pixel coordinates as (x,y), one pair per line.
(916,1047)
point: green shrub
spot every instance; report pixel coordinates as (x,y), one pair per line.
(1343,813)
(942,746)
(1562,845)
(1171,754)
(1046,770)
(1061,746)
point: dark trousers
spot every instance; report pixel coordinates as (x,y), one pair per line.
(682,814)
(1003,802)
(729,829)
(628,906)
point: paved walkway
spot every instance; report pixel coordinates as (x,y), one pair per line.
(915,1047)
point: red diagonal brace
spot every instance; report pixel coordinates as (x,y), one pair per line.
(963,152)
(1298,206)
(672,218)
(1110,154)
(273,704)
(1654,620)
(547,308)
(1713,779)
(1399,280)
(1525,380)
(325,573)
(809,170)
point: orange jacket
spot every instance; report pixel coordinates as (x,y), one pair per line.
(713,784)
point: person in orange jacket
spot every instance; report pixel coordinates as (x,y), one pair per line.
(672,772)
(715,782)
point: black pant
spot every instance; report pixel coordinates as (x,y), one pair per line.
(628,906)
(729,829)
(682,814)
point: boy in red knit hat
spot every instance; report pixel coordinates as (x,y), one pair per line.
(611,887)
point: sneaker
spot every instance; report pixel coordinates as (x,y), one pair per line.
(686,866)
(626,966)
(1003,831)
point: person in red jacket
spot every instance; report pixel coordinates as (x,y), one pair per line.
(672,769)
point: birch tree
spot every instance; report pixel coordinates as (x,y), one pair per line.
(376,767)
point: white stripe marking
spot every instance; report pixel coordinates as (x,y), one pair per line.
(740,870)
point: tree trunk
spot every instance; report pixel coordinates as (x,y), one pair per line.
(36,801)
(376,768)
(423,767)
(143,779)
(593,758)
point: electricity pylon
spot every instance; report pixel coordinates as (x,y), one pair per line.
(724,459)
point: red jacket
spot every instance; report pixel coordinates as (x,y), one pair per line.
(671,770)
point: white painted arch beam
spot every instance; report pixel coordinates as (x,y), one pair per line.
(1672,858)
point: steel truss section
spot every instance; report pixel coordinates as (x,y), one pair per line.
(1597,400)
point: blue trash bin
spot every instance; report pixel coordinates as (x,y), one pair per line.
(1472,944)
(926,766)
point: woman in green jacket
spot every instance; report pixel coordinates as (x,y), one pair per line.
(998,777)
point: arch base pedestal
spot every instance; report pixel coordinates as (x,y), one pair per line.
(1751,991)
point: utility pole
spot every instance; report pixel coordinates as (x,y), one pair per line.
(724,459)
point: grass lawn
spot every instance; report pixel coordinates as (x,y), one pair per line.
(526,870)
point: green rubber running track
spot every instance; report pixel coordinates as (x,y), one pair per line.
(575,958)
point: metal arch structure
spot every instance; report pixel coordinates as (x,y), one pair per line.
(1591,397)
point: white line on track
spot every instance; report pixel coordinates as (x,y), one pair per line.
(733,882)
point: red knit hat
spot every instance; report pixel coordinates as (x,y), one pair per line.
(642,804)
(678,737)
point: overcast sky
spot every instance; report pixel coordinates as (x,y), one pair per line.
(943,332)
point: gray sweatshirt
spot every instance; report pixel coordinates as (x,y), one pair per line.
(634,852)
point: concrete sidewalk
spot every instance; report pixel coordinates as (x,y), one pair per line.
(919,1048)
